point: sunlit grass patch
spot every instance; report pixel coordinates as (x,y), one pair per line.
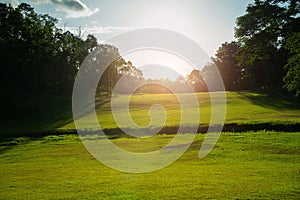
(255,165)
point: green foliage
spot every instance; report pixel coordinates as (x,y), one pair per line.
(257,60)
(196,80)
(292,78)
(39,59)
(228,66)
(36,58)
(249,165)
(263,32)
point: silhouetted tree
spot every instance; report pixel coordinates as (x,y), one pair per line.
(292,78)
(36,58)
(263,31)
(228,66)
(195,79)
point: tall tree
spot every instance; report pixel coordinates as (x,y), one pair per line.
(228,66)
(292,78)
(36,58)
(26,40)
(196,80)
(263,31)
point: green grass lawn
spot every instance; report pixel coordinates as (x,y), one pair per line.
(242,108)
(255,165)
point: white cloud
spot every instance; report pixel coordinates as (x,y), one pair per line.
(73,8)
(82,13)
(68,4)
(106,29)
(100,32)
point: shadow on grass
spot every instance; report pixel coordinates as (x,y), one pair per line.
(272,100)
(53,112)
(54,116)
(170,130)
(8,141)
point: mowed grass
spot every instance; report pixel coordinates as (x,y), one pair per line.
(255,165)
(241,108)
(247,165)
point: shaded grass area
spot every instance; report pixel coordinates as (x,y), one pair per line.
(52,112)
(245,111)
(119,133)
(248,165)
(273,101)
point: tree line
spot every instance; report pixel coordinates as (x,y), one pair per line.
(266,53)
(38,59)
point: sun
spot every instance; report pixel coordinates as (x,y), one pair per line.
(156,64)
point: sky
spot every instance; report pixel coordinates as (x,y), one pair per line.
(207,22)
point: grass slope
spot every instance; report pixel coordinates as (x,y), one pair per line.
(261,165)
(242,108)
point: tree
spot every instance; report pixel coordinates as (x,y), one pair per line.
(129,76)
(27,39)
(262,32)
(106,62)
(37,58)
(180,79)
(292,78)
(228,66)
(196,80)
